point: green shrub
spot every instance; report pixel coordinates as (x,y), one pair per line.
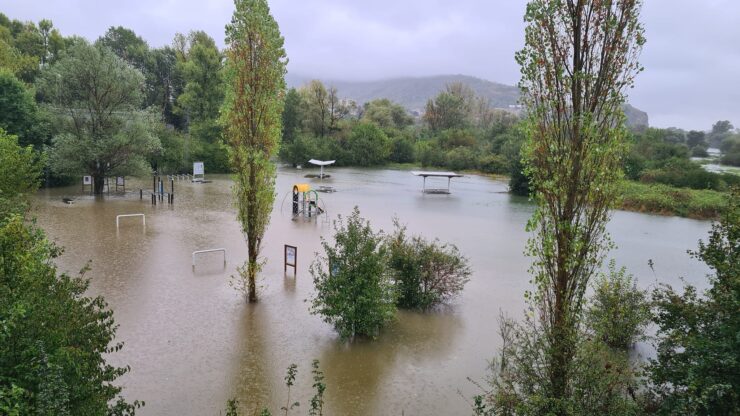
(402,150)
(354,291)
(493,163)
(54,340)
(426,273)
(618,311)
(368,145)
(697,370)
(461,158)
(429,153)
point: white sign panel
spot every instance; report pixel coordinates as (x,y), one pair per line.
(119,180)
(87,180)
(198,168)
(290,255)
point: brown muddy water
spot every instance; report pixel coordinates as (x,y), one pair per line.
(192,342)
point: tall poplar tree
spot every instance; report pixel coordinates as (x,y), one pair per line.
(252,116)
(578,59)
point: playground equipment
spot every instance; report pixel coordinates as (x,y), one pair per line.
(213,250)
(305,202)
(118,218)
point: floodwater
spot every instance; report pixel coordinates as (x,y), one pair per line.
(193,343)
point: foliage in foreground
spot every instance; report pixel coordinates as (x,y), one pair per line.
(20,169)
(316,404)
(697,370)
(53,339)
(426,273)
(354,291)
(603,380)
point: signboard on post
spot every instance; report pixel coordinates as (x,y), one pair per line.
(120,182)
(87,181)
(199,172)
(291,258)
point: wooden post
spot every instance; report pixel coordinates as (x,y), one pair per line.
(141,193)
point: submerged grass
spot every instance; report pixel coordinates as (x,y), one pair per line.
(667,200)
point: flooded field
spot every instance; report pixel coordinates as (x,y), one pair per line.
(192,342)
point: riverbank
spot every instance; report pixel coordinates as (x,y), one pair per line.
(645,198)
(667,200)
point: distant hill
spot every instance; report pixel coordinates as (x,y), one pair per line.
(413,92)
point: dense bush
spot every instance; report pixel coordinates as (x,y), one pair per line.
(618,312)
(54,340)
(461,158)
(402,150)
(354,291)
(697,370)
(493,163)
(426,273)
(368,145)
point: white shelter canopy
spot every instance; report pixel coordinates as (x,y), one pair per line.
(425,174)
(321,163)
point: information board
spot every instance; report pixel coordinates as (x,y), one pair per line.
(291,258)
(87,180)
(198,168)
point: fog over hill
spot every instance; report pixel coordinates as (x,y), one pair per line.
(413,92)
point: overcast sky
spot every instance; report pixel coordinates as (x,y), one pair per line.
(692,57)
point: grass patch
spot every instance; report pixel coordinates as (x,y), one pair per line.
(667,200)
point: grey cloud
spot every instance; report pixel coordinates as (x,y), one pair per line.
(692,58)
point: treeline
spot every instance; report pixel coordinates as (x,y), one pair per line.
(173,118)
(458,131)
(179,87)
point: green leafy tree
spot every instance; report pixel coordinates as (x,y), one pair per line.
(20,169)
(354,291)
(201,70)
(316,104)
(54,340)
(292,116)
(127,45)
(720,131)
(255,73)
(618,312)
(387,115)
(578,59)
(426,273)
(697,370)
(368,145)
(18,110)
(450,109)
(97,97)
(695,138)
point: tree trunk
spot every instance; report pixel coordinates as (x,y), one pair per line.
(252,272)
(98,183)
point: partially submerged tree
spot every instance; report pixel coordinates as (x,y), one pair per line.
(578,59)
(97,97)
(354,292)
(251,116)
(426,273)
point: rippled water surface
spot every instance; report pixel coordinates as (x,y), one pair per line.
(192,342)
